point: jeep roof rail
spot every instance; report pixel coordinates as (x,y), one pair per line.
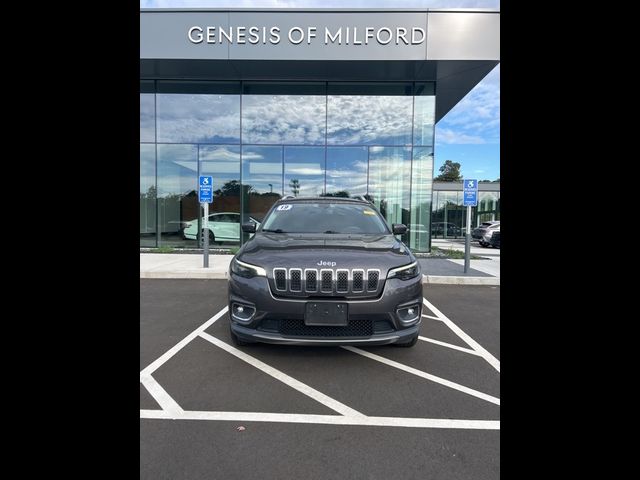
(361,197)
(356,198)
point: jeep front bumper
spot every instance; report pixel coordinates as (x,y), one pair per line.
(280,320)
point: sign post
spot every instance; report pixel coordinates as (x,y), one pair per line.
(470,194)
(205,197)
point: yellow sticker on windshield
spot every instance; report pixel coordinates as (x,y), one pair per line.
(366,211)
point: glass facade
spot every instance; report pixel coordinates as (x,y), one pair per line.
(263,140)
(488,207)
(449,215)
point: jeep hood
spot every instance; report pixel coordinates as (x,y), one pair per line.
(273,250)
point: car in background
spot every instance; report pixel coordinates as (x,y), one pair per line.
(484,232)
(445,229)
(223,227)
(495,239)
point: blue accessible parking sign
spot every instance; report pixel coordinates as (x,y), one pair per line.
(470,190)
(205,192)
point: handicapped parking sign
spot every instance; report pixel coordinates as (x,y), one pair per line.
(470,192)
(205,191)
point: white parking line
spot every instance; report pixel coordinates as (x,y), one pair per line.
(449,345)
(327,419)
(349,416)
(160,395)
(284,378)
(180,345)
(493,361)
(433,316)
(425,375)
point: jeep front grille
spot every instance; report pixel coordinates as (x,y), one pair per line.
(311,280)
(326,284)
(326,281)
(372,280)
(342,281)
(358,280)
(355,328)
(280,277)
(295,284)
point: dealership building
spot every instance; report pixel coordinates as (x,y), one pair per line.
(302,102)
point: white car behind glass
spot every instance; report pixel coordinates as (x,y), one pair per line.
(223,227)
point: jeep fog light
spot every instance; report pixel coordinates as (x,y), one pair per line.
(409,314)
(242,313)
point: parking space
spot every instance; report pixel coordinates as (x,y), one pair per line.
(431,411)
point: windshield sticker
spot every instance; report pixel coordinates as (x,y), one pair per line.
(282,208)
(368,212)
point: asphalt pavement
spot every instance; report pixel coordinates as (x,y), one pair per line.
(210,410)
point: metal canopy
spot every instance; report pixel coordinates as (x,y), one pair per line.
(460,48)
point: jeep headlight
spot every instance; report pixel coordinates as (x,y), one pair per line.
(247,270)
(406,272)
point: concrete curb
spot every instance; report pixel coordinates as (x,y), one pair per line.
(453,280)
(198,274)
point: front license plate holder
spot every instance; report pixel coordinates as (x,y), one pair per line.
(326,314)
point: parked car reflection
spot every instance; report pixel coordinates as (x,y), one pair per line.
(223,227)
(445,228)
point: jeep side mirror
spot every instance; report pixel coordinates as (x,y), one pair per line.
(249,227)
(399,228)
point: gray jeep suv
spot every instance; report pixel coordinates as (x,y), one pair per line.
(325,271)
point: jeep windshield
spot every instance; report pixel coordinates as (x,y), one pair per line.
(324,218)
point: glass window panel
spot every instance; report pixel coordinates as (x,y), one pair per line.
(347,171)
(437,211)
(222,162)
(424,120)
(304,171)
(457,217)
(178,205)
(261,179)
(274,119)
(367,120)
(147,195)
(390,182)
(452,224)
(193,118)
(147,117)
(488,206)
(488,201)
(419,224)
